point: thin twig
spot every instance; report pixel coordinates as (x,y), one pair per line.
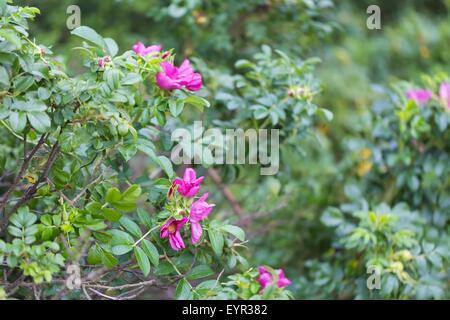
(86,293)
(145,235)
(103,295)
(122,287)
(32,190)
(83,191)
(23,168)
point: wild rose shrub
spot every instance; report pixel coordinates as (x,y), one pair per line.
(70,200)
(222,31)
(407,236)
(367,189)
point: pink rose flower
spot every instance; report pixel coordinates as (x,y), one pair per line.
(141,50)
(200,209)
(282,280)
(172,229)
(444,93)
(189,185)
(265,278)
(420,96)
(172,78)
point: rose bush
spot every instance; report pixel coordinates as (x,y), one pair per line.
(407,154)
(365,192)
(69,198)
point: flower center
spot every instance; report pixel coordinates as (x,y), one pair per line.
(172,228)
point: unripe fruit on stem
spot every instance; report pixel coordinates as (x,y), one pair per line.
(122,129)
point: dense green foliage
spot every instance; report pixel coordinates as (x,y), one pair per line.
(363,182)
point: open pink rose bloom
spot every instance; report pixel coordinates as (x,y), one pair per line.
(172,78)
(200,209)
(141,50)
(420,96)
(189,185)
(172,229)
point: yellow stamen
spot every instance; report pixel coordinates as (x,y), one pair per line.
(172,228)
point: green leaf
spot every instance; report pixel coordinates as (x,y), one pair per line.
(131,78)
(332,217)
(12,37)
(282,54)
(125,206)
(142,260)
(197,102)
(111,46)
(268,291)
(131,227)
(127,151)
(111,214)
(151,251)
(176,107)
(200,271)
(166,165)
(17,121)
(183,290)
(94,255)
(3,6)
(30,106)
(16,232)
(90,35)
(216,239)
(207,285)
(44,94)
(435,259)
(108,260)
(413,182)
(112,78)
(235,231)
(243,63)
(121,249)
(47,233)
(39,121)
(22,83)
(46,219)
(176,11)
(148,151)
(160,117)
(165,268)
(119,98)
(4,112)
(132,193)
(327,114)
(4,76)
(144,218)
(113,195)
(120,237)
(260,112)
(31,231)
